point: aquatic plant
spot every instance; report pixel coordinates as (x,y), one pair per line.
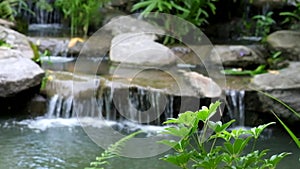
(222,149)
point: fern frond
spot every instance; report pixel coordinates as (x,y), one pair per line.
(114,150)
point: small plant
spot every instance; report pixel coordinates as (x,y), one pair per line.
(240,72)
(113,151)
(263,25)
(222,149)
(4,44)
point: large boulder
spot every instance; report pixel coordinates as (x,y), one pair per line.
(17,41)
(140,49)
(237,56)
(128,24)
(286,41)
(17,73)
(284,85)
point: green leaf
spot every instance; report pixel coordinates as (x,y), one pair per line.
(187,118)
(256,131)
(275,159)
(281,102)
(175,131)
(205,113)
(236,133)
(218,126)
(170,143)
(149,8)
(179,159)
(276,54)
(294,137)
(179,7)
(237,147)
(141,5)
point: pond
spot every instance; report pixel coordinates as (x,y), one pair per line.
(45,143)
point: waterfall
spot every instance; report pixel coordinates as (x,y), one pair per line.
(236,106)
(42,16)
(141,105)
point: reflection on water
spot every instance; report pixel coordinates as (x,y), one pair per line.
(58,143)
(61,143)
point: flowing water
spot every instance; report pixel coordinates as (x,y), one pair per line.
(236,106)
(46,143)
(56,143)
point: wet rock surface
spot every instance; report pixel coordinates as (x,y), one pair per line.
(18,74)
(128,24)
(287,42)
(284,85)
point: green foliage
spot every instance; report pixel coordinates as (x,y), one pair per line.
(222,149)
(9,8)
(195,11)
(293,16)
(80,12)
(4,44)
(113,151)
(263,25)
(239,72)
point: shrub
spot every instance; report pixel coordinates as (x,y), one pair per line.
(230,153)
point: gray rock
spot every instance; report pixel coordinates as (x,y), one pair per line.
(17,41)
(286,41)
(285,86)
(205,86)
(17,73)
(6,23)
(56,46)
(127,24)
(140,49)
(237,56)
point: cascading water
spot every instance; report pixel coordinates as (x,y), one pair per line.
(43,20)
(42,16)
(133,108)
(236,106)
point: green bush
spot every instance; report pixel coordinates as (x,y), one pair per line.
(222,149)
